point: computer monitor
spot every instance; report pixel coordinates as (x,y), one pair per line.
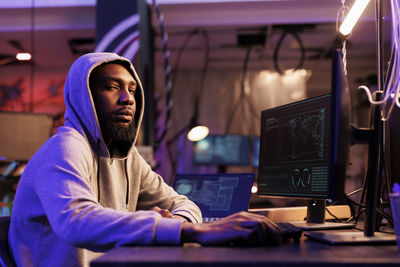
(304,147)
(222,150)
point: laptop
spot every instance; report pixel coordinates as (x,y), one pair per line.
(218,195)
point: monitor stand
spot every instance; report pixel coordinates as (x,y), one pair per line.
(351,237)
(315,219)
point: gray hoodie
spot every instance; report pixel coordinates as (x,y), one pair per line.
(74,201)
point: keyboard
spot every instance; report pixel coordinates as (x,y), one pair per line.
(211,219)
(289,231)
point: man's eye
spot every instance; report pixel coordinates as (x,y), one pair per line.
(132,91)
(112,87)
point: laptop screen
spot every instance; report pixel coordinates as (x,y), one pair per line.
(217,195)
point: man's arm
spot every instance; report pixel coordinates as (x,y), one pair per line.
(155,192)
(70,204)
(241,228)
(167,214)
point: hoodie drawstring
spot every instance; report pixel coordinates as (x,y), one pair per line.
(98,171)
(127,185)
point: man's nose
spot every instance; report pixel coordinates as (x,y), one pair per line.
(126,97)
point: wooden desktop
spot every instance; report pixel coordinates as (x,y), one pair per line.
(303,253)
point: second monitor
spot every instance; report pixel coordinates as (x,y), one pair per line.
(222,150)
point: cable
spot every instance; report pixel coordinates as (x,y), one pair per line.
(197,95)
(243,99)
(352,211)
(347,196)
(391,89)
(361,206)
(179,55)
(173,80)
(204,70)
(167,74)
(354,192)
(386,216)
(236,105)
(334,216)
(279,44)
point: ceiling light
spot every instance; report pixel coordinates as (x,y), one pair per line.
(23,56)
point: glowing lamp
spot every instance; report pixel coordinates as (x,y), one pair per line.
(197,133)
(23,56)
(352,17)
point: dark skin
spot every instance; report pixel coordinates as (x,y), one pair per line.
(113,90)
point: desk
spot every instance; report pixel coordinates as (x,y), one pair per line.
(304,253)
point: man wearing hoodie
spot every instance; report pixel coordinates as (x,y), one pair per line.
(87,189)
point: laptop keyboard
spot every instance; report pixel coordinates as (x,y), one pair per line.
(210,219)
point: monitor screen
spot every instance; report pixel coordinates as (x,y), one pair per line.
(222,150)
(217,195)
(294,149)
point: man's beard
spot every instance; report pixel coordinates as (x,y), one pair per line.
(121,135)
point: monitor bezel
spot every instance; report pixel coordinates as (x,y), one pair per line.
(339,137)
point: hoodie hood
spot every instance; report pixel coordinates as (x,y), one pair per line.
(80,112)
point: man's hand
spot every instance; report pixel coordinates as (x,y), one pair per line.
(241,228)
(167,214)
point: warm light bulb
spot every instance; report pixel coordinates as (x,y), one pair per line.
(197,133)
(23,56)
(352,17)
